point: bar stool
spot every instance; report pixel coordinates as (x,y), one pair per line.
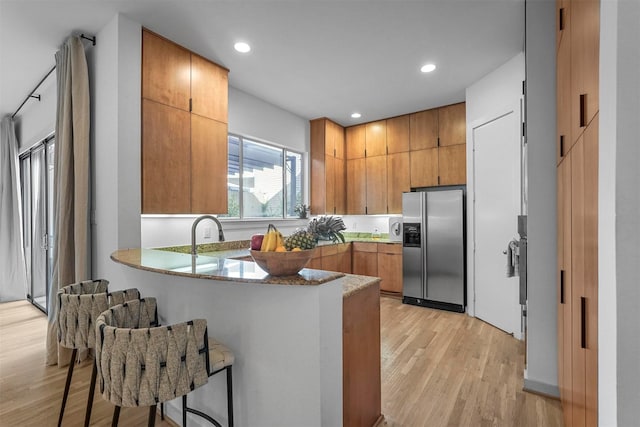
(79,305)
(140,364)
(220,359)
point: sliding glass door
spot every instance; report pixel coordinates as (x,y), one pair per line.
(36,172)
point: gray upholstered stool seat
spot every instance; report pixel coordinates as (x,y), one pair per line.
(79,305)
(219,355)
(141,364)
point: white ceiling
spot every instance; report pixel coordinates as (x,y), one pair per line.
(311,57)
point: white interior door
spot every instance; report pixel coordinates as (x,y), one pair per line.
(496,174)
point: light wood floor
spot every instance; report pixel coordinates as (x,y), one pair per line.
(448,369)
(438,369)
(31,393)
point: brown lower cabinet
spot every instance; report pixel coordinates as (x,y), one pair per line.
(361,381)
(382,260)
(390,267)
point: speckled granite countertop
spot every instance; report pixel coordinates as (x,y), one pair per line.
(221,267)
(353,283)
(224,267)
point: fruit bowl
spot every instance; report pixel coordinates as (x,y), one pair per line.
(282,263)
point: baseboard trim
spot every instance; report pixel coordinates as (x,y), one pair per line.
(541,388)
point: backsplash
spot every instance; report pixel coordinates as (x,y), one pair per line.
(175,230)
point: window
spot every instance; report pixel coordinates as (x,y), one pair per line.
(263,181)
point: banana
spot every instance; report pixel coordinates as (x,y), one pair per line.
(265,242)
(272,239)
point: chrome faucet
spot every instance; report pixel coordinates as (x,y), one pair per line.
(194,250)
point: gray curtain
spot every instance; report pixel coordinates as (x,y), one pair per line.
(72,245)
(13,272)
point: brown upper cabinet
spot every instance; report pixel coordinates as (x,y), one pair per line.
(166,72)
(328,165)
(585,59)
(376,138)
(452,129)
(423,129)
(398,134)
(355,142)
(184,130)
(209,89)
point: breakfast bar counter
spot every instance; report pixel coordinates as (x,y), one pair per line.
(286,334)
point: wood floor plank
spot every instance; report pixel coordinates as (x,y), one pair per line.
(438,369)
(449,369)
(31,393)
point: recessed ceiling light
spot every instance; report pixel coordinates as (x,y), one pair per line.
(242,47)
(356,115)
(427,68)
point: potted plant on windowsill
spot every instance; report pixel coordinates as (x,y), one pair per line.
(302,210)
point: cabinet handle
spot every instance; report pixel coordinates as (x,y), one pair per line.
(583,110)
(190,104)
(583,322)
(438,179)
(561,145)
(561,286)
(561,19)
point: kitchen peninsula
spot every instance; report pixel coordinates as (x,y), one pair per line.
(307,347)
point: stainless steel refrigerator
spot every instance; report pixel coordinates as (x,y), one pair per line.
(433,248)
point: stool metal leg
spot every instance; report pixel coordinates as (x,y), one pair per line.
(229,396)
(92,389)
(184,410)
(116,415)
(162,411)
(152,415)
(67,384)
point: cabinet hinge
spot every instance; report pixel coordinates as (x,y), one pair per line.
(190,104)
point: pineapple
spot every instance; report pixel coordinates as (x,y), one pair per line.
(300,239)
(327,228)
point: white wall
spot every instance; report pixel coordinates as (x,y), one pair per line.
(251,116)
(116,135)
(487,98)
(618,215)
(541,373)
(37,119)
